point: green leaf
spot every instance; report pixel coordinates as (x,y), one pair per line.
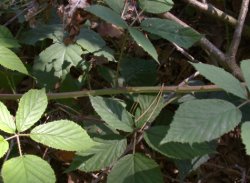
(138,72)
(101,155)
(41,32)
(90,40)
(144,42)
(222,79)
(156,6)
(10,60)
(245,65)
(245,135)
(107,14)
(177,150)
(27,169)
(171,31)
(117,6)
(6,38)
(202,120)
(107,53)
(58,58)
(113,113)
(4,146)
(62,134)
(30,109)
(150,108)
(7,123)
(135,168)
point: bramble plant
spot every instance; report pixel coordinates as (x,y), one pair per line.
(117,44)
(62,134)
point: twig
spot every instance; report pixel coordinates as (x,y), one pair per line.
(209,9)
(231,54)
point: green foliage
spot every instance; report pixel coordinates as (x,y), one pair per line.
(100,156)
(6,38)
(135,168)
(30,109)
(4,146)
(144,43)
(10,60)
(156,6)
(171,31)
(155,135)
(202,120)
(28,169)
(138,72)
(245,129)
(64,60)
(222,78)
(113,113)
(245,65)
(7,123)
(62,134)
(107,14)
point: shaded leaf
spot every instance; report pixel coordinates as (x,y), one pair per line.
(6,38)
(58,58)
(27,169)
(62,134)
(90,40)
(4,146)
(156,6)
(177,150)
(100,156)
(41,32)
(107,14)
(222,79)
(145,43)
(135,168)
(10,60)
(202,120)
(117,6)
(245,65)
(7,123)
(139,72)
(113,113)
(171,31)
(245,135)
(30,109)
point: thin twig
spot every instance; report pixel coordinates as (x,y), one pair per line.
(211,10)
(233,49)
